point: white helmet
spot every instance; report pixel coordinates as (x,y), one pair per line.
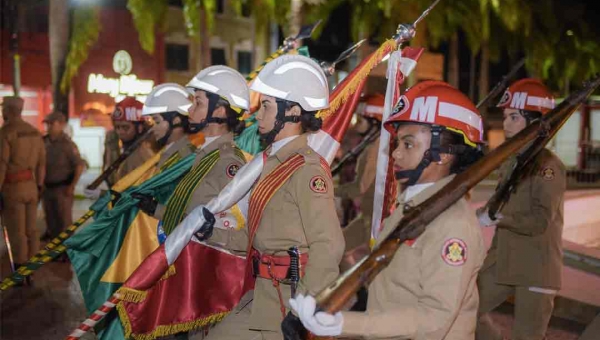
(167,97)
(225,82)
(295,78)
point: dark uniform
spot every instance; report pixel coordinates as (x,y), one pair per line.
(22,169)
(63,163)
(112,151)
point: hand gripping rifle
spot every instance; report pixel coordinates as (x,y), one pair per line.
(122,157)
(333,298)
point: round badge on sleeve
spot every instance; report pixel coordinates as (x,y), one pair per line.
(548,174)
(454,252)
(318,184)
(232,169)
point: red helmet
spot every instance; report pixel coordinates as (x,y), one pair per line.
(527,94)
(437,103)
(373,106)
(128,109)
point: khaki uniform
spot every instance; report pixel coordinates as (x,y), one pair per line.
(22,170)
(63,159)
(112,151)
(429,289)
(525,258)
(358,232)
(138,157)
(298,216)
(217,178)
(182,147)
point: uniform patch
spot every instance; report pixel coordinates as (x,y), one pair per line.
(454,252)
(318,184)
(232,169)
(548,174)
(401,106)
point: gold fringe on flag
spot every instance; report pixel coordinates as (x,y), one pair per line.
(170,272)
(352,84)
(132,295)
(166,330)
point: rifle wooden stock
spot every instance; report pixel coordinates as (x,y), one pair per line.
(357,150)
(122,157)
(413,224)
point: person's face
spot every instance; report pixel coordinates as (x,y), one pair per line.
(199,109)
(266,114)
(160,127)
(125,130)
(413,141)
(55,128)
(513,122)
(362,125)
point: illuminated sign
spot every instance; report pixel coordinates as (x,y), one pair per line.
(126,85)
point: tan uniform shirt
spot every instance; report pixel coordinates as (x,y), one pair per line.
(527,245)
(22,148)
(63,158)
(298,216)
(217,178)
(112,151)
(429,289)
(182,146)
(138,157)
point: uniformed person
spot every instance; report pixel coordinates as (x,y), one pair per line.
(362,189)
(525,259)
(428,291)
(291,205)
(129,126)
(63,169)
(167,105)
(22,171)
(221,95)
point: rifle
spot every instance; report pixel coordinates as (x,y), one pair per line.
(502,84)
(357,150)
(122,157)
(413,224)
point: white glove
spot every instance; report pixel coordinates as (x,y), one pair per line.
(93,194)
(484,217)
(321,324)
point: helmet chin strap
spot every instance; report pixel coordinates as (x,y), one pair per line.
(213,99)
(280,119)
(169,117)
(431,155)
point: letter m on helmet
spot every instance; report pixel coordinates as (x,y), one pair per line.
(518,100)
(424,109)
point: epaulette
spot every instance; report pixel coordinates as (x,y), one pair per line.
(310,155)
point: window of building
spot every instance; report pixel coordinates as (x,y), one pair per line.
(244,62)
(177,57)
(246,9)
(217,56)
(220,6)
(176,3)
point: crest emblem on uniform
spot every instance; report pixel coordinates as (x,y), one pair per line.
(505,98)
(548,174)
(454,252)
(232,169)
(318,184)
(117,114)
(401,106)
